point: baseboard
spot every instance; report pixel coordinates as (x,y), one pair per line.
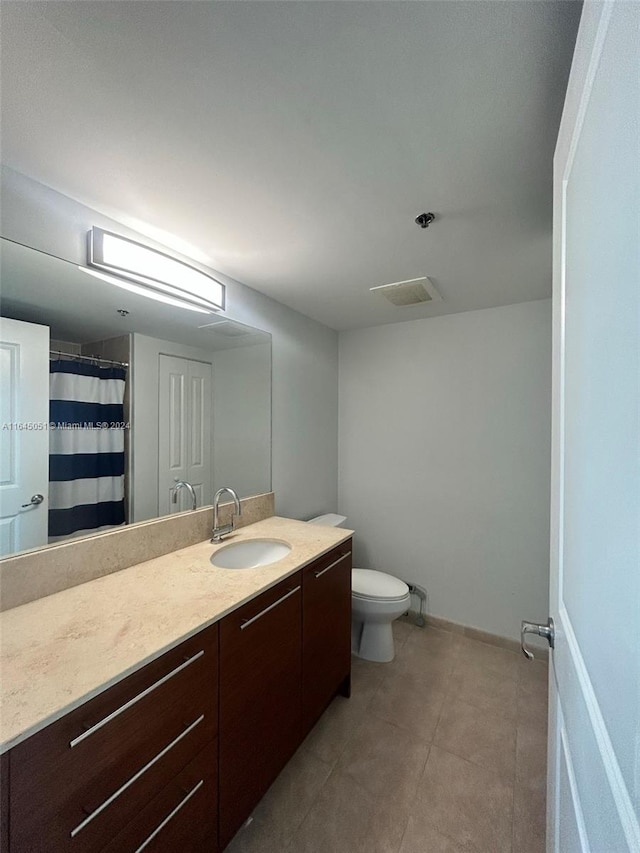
(509,643)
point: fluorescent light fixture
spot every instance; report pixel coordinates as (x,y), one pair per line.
(154,273)
(139,290)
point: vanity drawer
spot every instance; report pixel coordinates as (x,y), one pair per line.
(74,784)
(182,817)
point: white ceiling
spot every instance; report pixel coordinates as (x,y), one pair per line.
(292,144)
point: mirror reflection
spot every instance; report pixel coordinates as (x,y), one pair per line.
(110,401)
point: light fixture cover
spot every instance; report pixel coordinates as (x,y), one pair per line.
(143,290)
(154,270)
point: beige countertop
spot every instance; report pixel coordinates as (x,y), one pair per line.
(61,650)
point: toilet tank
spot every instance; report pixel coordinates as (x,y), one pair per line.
(329,519)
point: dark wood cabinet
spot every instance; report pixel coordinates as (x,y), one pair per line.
(182,817)
(82,779)
(177,755)
(326,632)
(260,698)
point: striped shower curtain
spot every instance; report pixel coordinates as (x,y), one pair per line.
(86,448)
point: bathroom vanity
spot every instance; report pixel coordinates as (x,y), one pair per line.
(174,751)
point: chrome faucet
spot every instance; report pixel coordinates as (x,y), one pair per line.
(219,532)
(182,484)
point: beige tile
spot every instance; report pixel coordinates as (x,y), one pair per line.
(348,819)
(490,691)
(401,631)
(469,804)
(531,757)
(421,837)
(253,509)
(529,820)
(416,659)
(439,644)
(479,736)
(385,760)
(366,677)
(335,730)
(409,701)
(532,671)
(288,800)
(493,658)
(533,704)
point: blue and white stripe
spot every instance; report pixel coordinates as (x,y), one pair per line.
(86,448)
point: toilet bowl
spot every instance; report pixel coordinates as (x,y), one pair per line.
(377,599)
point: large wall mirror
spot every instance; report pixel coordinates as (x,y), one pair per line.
(108,399)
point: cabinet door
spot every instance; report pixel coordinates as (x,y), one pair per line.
(326,631)
(260,701)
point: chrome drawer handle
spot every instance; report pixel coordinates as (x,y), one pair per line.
(344,557)
(247,622)
(171,815)
(135,777)
(133,701)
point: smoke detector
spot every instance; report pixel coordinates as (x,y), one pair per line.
(413,291)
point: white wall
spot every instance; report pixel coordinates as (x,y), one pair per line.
(445,459)
(242,419)
(304,352)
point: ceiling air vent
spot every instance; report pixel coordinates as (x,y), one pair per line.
(229,329)
(414,291)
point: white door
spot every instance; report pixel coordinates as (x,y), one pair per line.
(184,432)
(24,439)
(594,724)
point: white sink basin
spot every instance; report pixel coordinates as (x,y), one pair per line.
(250,554)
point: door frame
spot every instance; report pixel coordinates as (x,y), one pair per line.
(568,664)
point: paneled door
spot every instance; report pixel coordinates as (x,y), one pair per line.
(184,432)
(24,438)
(594,722)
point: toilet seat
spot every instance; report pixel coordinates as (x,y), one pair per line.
(370,585)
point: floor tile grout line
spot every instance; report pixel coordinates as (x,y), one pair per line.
(454,840)
(484,710)
(260,821)
(415,797)
(311,804)
(472,763)
(495,672)
(427,816)
(310,809)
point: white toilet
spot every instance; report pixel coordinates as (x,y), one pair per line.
(376,600)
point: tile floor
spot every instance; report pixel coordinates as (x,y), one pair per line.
(441,751)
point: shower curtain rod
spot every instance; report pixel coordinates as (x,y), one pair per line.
(89,357)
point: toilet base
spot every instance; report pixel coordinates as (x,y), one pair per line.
(372,641)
